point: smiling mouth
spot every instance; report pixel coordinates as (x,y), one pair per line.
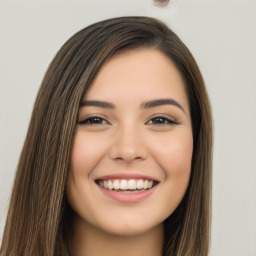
(127,185)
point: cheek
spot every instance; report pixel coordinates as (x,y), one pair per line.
(175,155)
(86,153)
(175,161)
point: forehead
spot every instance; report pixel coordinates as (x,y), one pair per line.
(138,75)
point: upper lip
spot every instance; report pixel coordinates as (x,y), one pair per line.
(126,176)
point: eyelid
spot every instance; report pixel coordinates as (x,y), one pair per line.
(96,116)
(171,120)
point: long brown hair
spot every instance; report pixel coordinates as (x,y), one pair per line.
(38,220)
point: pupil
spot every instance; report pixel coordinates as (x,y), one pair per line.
(96,120)
(159,120)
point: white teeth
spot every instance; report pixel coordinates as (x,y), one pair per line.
(145,185)
(110,184)
(116,185)
(126,185)
(140,184)
(132,184)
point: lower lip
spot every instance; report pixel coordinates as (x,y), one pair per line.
(130,198)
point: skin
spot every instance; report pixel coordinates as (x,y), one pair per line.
(130,138)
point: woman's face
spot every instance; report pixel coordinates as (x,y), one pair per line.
(132,151)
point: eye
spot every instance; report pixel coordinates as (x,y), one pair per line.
(161,120)
(94,120)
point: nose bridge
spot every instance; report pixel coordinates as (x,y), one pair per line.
(128,143)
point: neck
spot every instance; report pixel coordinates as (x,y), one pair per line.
(90,240)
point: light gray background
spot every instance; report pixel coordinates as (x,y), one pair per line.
(221,34)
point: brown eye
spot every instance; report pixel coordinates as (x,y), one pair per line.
(94,121)
(160,120)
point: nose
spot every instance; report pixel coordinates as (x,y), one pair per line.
(128,145)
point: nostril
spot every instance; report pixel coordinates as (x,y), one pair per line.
(128,155)
(128,146)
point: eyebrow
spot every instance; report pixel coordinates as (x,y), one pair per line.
(159,102)
(97,103)
(144,105)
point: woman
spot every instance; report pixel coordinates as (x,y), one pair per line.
(117,158)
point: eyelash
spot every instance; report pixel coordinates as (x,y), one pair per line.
(88,121)
(102,121)
(163,121)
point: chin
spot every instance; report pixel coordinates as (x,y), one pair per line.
(128,229)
